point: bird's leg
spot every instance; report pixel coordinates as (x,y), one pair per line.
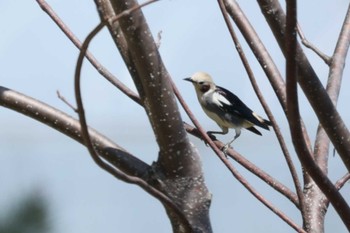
(211,134)
(225,148)
(223,132)
(212,137)
(215,132)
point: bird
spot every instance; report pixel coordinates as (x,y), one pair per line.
(225,108)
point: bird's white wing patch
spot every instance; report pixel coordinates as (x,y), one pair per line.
(218,98)
(259,118)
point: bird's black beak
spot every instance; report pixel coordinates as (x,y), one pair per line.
(188,79)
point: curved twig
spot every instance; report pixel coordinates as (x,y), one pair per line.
(309,45)
(81,112)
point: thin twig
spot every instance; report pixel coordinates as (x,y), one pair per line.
(342,181)
(80,108)
(309,45)
(65,101)
(159,39)
(265,106)
(85,134)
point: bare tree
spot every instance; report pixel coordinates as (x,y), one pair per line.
(176,178)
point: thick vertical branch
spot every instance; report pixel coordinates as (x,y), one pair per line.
(178,166)
(333,88)
(310,83)
(321,151)
(300,145)
(153,84)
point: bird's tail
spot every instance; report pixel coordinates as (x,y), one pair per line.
(267,122)
(254,130)
(261,122)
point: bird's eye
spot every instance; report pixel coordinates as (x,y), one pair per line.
(204,87)
(201,83)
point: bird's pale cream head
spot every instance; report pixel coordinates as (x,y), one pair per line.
(201,77)
(202,82)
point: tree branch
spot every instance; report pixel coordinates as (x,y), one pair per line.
(300,146)
(80,108)
(275,184)
(262,199)
(338,59)
(178,162)
(70,127)
(342,181)
(309,45)
(131,169)
(154,87)
(311,85)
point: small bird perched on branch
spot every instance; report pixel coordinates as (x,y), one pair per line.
(225,108)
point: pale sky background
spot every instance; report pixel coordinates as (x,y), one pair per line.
(37,59)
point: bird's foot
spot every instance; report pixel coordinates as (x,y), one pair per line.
(225,148)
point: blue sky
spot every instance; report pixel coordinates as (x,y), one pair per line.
(37,59)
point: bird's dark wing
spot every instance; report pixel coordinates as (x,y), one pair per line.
(237,107)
